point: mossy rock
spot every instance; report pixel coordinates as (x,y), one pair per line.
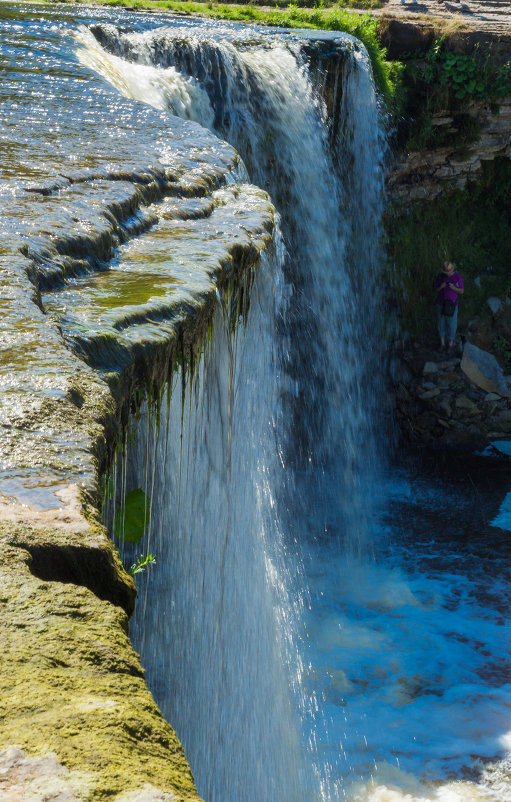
(71,685)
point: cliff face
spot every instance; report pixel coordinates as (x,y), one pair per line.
(426,174)
(448,190)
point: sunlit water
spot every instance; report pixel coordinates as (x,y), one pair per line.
(331,632)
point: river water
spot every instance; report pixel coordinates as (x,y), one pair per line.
(321,624)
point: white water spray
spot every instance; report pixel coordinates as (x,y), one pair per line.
(214,620)
(227,608)
(330,196)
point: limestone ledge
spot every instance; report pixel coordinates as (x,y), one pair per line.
(428,173)
(106,275)
(78,721)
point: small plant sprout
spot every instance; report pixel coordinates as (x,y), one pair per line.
(141,564)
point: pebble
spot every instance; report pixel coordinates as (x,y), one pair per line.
(429,394)
(429,367)
(465,404)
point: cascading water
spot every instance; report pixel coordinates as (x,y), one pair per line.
(265,105)
(323,384)
(217,616)
(266,466)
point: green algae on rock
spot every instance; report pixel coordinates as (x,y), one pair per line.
(72,685)
(88,322)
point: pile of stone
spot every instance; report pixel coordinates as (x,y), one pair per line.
(453,401)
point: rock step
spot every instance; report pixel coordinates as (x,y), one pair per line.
(162,277)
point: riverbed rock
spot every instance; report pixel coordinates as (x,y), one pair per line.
(430,367)
(444,407)
(481,368)
(495,304)
(427,394)
(466,405)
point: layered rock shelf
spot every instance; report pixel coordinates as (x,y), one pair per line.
(99,296)
(426,174)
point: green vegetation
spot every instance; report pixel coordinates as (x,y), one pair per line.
(142,563)
(438,80)
(502,349)
(132,517)
(473,228)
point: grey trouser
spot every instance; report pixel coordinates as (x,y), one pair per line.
(446,325)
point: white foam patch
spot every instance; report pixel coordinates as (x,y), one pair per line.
(164,89)
(410,663)
(503,517)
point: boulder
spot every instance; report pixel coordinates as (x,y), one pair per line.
(425,396)
(495,304)
(483,370)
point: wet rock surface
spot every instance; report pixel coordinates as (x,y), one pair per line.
(119,226)
(437,403)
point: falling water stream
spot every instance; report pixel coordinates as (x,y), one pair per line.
(320,625)
(284,515)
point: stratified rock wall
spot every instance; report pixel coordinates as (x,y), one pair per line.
(426,174)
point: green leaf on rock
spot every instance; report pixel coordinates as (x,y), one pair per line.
(132,518)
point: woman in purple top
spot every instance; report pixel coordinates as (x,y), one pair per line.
(449,286)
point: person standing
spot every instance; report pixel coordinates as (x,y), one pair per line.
(449,286)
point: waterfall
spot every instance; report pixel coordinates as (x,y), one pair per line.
(215,619)
(274,435)
(328,190)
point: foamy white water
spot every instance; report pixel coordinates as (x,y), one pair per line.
(162,89)
(412,656)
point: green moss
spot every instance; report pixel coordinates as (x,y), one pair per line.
(72,684)
(472,227)
(442,78)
